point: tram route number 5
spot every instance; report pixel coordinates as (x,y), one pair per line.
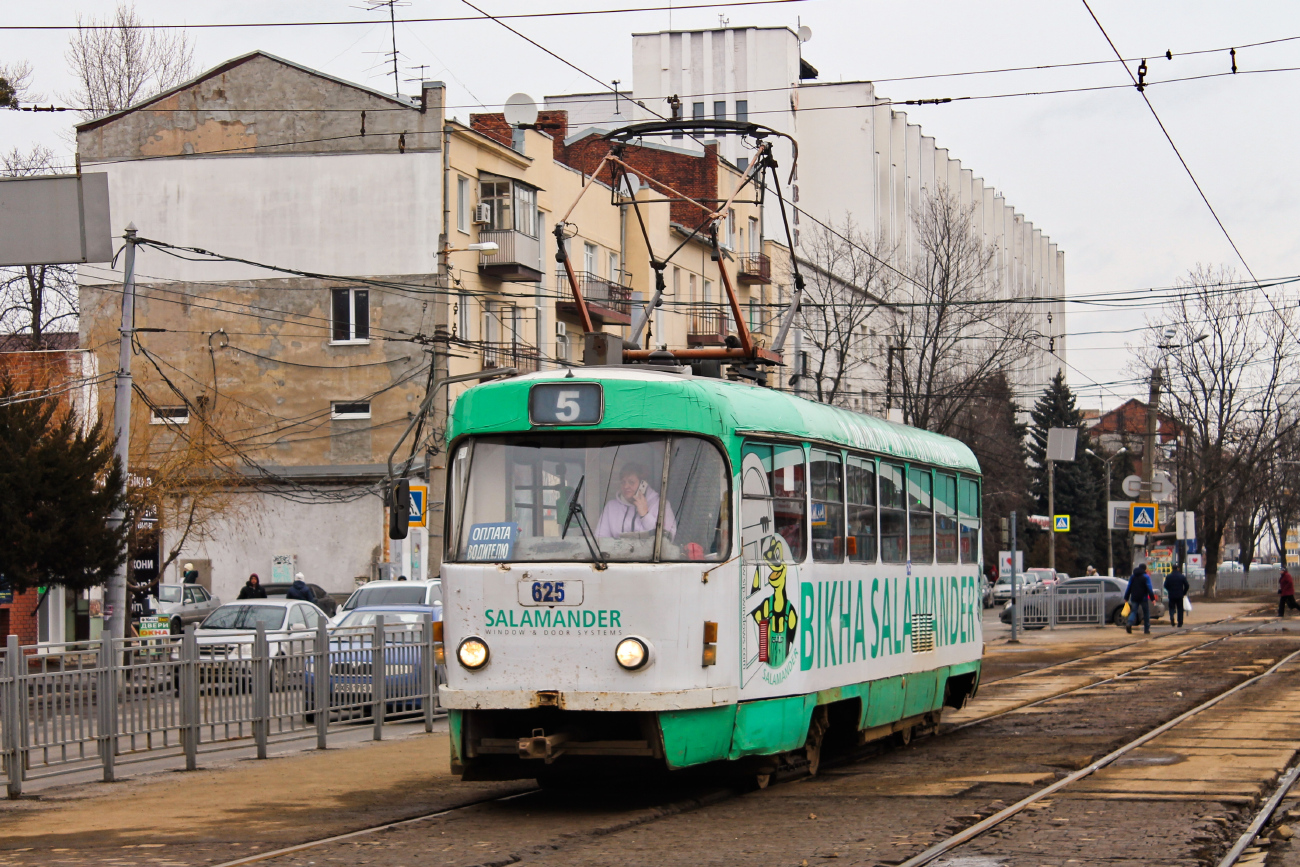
(566,403)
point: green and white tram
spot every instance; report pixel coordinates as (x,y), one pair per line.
(646,567)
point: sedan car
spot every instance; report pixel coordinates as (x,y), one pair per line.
(322,599)
(351,661)
(183,604)
(390,593)
(1030,582)
(226,638)
(1067,607)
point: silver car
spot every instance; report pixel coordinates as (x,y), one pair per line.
(182,604)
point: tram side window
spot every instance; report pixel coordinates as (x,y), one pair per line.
(774,487)
(920,514)
(860,479)
(968,511)
(827,522)
(697,496)
(945,518)
(893,515)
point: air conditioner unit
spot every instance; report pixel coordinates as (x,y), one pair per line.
(561,330)
(483,213)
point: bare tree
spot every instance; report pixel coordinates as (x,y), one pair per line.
(16,84)
(846,279)
(953,329)
(1232,373)
(35,299)
(118,61)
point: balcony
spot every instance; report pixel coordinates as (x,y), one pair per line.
(525,358)
(707,324)
(608,303)
(754,269)
(518,260)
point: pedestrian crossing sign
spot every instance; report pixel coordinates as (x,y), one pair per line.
(419,506)
(1061,523)
(1142,517)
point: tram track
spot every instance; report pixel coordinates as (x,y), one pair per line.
(982,827)
(720,794)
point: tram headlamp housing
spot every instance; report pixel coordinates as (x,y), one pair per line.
(473,653)
(633,654)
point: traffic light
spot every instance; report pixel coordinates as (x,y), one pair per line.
(399,509)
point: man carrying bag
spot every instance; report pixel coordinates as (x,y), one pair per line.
(1139,595)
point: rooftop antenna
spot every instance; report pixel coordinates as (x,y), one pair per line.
(616,109)
(723,21)
(374,5)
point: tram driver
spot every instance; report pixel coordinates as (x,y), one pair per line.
(635,508)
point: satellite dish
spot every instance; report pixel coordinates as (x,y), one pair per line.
(521,110)
(631,183)
(805,33)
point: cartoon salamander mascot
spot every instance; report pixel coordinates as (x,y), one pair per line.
(776,617)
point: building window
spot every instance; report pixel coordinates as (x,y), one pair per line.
(753,237)
(697,111)
(512,204)
(708,291)
(720,109)
(170,415)
(462,204)
(731,228)
(351,316)
(742,163)
(614,275)
(690,281)
(589,258)
(463,313)
(350,409)
(742,109)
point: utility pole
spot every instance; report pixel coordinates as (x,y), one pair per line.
(1149,454)
(116,610)
(1015,585)
(1051,513)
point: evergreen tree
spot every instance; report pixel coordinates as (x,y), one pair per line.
(58,486)
(1079,483)
(987,424)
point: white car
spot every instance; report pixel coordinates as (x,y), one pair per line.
(226,639)
(387,593)
(1030,581)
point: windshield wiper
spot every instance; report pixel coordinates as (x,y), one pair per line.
(574,510)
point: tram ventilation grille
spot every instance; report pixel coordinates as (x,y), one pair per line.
(922,633)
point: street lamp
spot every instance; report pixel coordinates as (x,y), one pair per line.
(487,248)
(1110,533)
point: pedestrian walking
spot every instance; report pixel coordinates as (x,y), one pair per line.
(1139,595)
(1177,586)
(1286,593)
(252,588)
(299,590)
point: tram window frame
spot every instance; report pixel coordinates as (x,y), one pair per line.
(920,512)
(793,499)
(892,507)
(945,518)
(860,502)
(969,523)
(822,487)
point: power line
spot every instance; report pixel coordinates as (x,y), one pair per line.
(430,20)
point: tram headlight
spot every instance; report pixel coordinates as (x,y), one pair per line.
(632,653)
(473,653)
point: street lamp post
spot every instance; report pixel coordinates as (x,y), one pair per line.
(1110,533)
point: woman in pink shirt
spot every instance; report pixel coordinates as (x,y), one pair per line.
(635,509)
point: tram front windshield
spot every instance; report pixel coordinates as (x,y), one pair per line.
(589,497)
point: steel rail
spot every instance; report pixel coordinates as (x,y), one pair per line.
(976,830)
(1261,818)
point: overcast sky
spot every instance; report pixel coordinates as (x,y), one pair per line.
(1091,169)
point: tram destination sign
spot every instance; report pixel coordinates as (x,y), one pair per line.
(566,402)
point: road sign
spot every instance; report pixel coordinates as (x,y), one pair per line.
(1061,523)
(1132,486)
(419,502)
(1004,562)
(1061,443)
(1117,511)
(1162,487)
(1185,525)
(1195,559)
(1142,517)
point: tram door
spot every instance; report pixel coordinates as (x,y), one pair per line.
(772,530)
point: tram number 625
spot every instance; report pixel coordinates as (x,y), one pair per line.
(548,591)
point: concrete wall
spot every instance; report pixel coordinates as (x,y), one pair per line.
(335,543)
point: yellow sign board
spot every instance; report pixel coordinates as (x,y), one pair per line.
(1143,517)
(419,506)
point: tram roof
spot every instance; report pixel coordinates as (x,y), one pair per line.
(655,400)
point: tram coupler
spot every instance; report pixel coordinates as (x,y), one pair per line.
(543,746)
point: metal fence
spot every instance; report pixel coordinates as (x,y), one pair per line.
(76,707)
(1262,579)
(1064,606)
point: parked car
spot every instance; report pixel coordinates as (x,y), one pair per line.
(351,660)
(323,600)
(226,640)
(986,592)
(183,604)
(390,593)
(1030,581)
(1113,589)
